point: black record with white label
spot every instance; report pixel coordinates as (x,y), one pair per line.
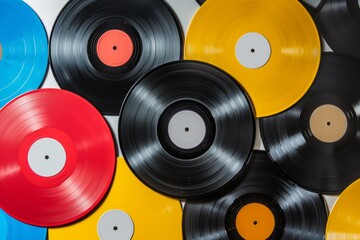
(99,49)
(317,141)
(187,129)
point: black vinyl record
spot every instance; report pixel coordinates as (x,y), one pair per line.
(317,141)
(265,205)
(338,22)
(99,49)
(187,129)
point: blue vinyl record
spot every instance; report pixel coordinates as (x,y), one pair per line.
(12,229)
(23,50)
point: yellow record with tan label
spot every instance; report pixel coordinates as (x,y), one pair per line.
(130,211)
(271,47)
(344,218)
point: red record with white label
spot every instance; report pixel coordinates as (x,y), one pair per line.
(57,157)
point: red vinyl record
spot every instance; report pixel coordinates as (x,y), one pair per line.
(57,157)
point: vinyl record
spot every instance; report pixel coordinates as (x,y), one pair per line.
(130,211)
(100,48)
(265,205)
(317,141)
(338,22)
(265,45)
(12,229)
(343,222)
(187,129)
(57,157)
(23,50)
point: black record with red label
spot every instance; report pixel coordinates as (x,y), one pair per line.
(100,48)
(57,157)
(265,205)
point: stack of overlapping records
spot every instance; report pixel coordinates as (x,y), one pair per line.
(179,119)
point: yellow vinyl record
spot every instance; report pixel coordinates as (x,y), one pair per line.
(344,218)
(271,47)
(130,211)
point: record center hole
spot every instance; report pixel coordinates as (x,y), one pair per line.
(187,129)
(115,228)
(114,47)
(255,222)
(47,157)
(252,50)
(328,123)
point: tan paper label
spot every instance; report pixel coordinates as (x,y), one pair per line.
(328,123)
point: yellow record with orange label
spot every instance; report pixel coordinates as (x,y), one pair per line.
(130,211)
(271,47)
(344,218)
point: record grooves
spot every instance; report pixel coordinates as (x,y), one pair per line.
(344,216)
(261,44)
(245,212)
(153,216)
(316,142)
(57,157)
(23,50)
(99,49)
(161,121)
(338,22)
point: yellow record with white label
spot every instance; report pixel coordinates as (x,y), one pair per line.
(130,211)
(271,47)
(344,218)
